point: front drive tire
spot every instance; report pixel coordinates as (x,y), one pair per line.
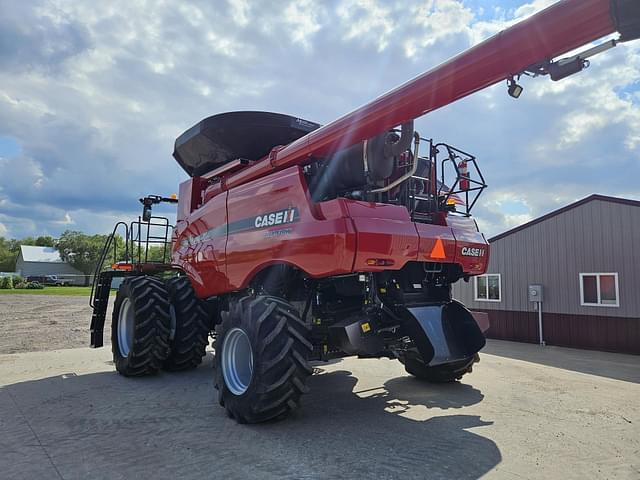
(140,326)
(191,335)
(261,359)
(446,373)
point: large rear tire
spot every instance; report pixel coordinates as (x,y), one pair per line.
(446,373)
(191,333)
(140,326)
(261,359)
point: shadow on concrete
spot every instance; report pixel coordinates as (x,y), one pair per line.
(103,425)
(412,391)
(617,366)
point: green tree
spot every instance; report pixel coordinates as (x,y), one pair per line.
(5,255)
(44,241)
(156,253)
(81,251)
(8,254)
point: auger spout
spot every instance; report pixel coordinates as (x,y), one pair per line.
(560,28)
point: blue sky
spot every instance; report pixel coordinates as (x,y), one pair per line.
(9,147)
(93,95)
(486,10)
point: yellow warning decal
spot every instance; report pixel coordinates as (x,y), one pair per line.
(365,327)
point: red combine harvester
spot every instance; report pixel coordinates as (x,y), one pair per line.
(297,242)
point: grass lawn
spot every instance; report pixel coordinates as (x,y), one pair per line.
(75,291)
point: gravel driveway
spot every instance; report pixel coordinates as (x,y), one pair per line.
(35,323)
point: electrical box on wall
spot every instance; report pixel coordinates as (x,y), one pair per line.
(535,293)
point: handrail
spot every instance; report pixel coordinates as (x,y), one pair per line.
(133,244)
(103,256)
(145,238)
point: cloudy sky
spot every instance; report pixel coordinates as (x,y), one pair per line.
(93,95)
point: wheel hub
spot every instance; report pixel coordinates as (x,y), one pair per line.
(237,361)
(126,327)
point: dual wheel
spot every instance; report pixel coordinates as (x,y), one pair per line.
(261,344)
(157,325)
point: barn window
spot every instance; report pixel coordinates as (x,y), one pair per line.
(599,289)
(488,288)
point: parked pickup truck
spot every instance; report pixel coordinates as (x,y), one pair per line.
(47,280)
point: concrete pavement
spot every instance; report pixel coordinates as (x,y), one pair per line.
(67,414)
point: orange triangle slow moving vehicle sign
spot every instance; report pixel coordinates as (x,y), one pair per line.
(438,250)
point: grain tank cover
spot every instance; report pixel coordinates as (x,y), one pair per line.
(221,138)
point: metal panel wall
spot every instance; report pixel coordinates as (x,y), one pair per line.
(612,334)
(27,269)
(598,236)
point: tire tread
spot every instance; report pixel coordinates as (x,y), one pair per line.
(151,332)
(191,337)
(280,340)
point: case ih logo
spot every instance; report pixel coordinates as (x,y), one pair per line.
(472,252)
(276,218)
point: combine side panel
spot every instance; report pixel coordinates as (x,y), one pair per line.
(437,243)
(384,233)
(472,249)
(199,249)
(273,220)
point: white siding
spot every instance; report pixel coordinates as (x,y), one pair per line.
(61,269)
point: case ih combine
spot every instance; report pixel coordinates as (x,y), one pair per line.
(297,242)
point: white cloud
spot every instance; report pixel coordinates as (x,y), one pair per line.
(96,93)
(303,21)
(437,20)
(367,20)
(528,9)
(240,11)
(66,220)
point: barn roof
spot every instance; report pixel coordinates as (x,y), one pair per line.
(590,198)
(40,254)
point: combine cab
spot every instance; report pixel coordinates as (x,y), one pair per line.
(296,242)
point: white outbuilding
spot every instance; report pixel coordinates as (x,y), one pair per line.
(38,261)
